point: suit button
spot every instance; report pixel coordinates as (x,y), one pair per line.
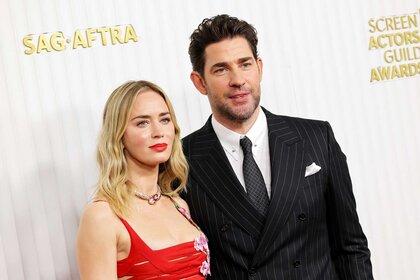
(252,271)
(296,264)
(224,227)
(302,217)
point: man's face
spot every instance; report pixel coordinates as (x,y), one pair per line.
(231,80)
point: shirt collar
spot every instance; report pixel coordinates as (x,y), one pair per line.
(258,129)
(230,139)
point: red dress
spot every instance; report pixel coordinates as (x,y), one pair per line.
(189,260)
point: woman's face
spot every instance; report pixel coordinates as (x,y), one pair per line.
(150,133)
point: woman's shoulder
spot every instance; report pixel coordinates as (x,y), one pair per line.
(182,203)
(98,211)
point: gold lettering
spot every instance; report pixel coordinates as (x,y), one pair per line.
(416,52)
(103,31)
(130,34)
(395,72)
(393,23)
(43,44)
(90,36)
(416,35)
(412,21)
(27,42)
(116,35)
(389,24)
(373,43)
(398,22)
(379,39)
(404,70)
(412,69)
(372,29)
(404,22)
(378,27)
(384,72)
(57,41)
(388,56)
(84,38)
(398,39)
(374,76)
(408,37)
(402,54)
(78,40)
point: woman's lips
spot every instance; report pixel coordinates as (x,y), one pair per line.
(159,147)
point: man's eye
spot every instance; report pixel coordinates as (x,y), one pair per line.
(246,65)
(220,70)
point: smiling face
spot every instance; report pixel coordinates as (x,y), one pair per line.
(231,81)
(150,132)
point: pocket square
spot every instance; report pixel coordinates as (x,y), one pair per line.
(312,169)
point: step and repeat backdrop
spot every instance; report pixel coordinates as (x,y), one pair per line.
(353,63)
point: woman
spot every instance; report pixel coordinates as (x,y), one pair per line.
(137,227)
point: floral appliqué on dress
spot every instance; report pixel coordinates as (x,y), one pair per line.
(200,243)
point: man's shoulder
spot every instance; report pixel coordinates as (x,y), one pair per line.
(294,122)
(304,122)
(194,135)
(199,136)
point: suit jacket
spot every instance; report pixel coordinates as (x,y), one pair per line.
(311,230)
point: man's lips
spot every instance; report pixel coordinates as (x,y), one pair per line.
(159,147)
(239,97)
(239,94)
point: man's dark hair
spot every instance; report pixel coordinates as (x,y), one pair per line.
(216,29)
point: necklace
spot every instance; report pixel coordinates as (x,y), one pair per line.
(151,199)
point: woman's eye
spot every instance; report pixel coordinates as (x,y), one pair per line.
(166,120)
(142,123)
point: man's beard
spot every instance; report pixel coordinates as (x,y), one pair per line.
(241,115)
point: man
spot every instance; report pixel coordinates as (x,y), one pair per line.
(284,210)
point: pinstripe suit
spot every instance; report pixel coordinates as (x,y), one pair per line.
(311,230)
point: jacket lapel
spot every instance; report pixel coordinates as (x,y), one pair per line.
(210,166)
(287,173)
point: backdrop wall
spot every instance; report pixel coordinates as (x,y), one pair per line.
(351,63)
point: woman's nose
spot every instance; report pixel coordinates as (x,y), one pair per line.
(157,131)
(158,134)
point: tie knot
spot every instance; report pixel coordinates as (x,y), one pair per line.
(246,145)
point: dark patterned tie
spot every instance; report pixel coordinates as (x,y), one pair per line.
(254,181)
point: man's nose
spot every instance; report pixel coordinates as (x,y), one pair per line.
(236,78)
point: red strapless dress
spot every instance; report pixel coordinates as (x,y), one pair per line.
(188,260)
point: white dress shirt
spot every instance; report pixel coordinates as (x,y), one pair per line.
(258,134)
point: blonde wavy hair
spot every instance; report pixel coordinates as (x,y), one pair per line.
(113,183)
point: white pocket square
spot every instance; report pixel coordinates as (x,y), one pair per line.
(312,169)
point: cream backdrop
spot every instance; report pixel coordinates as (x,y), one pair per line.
(316,65)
